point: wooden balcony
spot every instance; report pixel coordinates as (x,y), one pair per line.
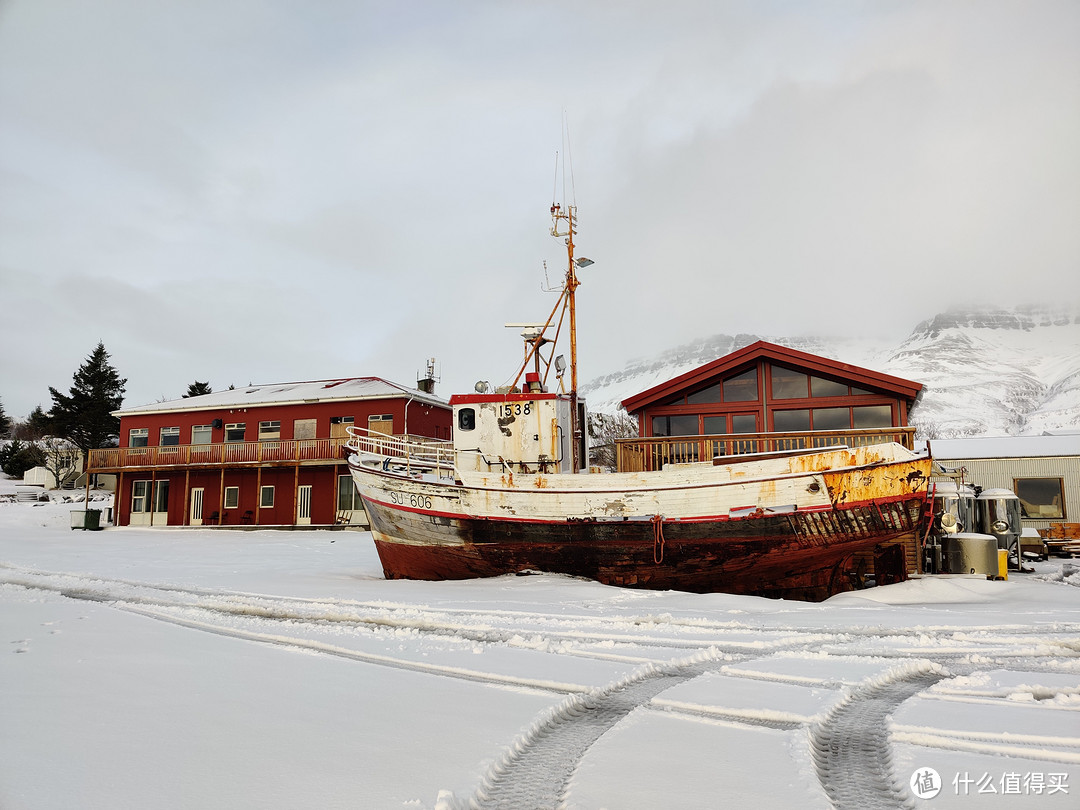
(641,454)
(231,454)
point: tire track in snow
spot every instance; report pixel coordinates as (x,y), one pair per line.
(851,747)
(536,769)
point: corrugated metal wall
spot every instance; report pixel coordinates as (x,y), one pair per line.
(1001,472)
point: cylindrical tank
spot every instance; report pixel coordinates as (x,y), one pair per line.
(954,506)
(999,515)
(970,553)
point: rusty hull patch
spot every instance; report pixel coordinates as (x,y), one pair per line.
(880,482)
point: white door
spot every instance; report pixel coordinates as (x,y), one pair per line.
(303,506)
(196,506)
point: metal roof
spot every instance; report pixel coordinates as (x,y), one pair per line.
(253,396)
(1005,447)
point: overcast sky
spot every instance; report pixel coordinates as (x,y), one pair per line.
(270,191)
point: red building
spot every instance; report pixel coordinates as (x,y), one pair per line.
(266,455)
(763,398)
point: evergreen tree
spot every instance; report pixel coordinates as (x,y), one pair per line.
(5,422)
(38,425)
(16,458)
(84,416)
(197,389)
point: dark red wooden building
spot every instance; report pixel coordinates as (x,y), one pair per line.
(263,455)
(766,397)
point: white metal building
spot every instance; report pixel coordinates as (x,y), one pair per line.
(1044,471)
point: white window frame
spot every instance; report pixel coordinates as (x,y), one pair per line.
(232,498)
(138,433)
(140,497)
(171,432)
(270,431)
(241,426)
(204,430)
(264,501)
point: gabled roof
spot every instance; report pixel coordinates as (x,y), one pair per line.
(812,363)
(292,393)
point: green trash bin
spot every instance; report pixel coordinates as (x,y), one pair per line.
(93,520)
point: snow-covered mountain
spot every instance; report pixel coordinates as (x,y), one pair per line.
(1001,372)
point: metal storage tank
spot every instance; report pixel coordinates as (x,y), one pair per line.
(970,553)
(999,515)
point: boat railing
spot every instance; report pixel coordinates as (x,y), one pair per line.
(653,452)
(415,453)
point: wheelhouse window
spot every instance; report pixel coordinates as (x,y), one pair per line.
(202,434)
(235,432)
(269,431)
(266,497)
(138,437)
(169,436)
(466,419)
(1040,498)
(232,497)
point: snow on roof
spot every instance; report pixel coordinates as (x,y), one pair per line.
(1006,447)
(250,396)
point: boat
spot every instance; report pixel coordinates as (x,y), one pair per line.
(512,493)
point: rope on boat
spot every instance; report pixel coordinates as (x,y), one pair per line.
(658,538)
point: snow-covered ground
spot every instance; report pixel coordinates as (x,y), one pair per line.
(210,669)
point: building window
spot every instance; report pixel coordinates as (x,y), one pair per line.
(1040,498)
(266,497)
(232,497)
(169,436)
(138,437)
(714,425)
(304,428)
(269,431)
(235,432)
(381,423)
(832,419)
(348,499)
(788,384)
(339,426)
(681,425)
(741,387)
(707,395)
(139,500)
(871,416)
(202,434)
(784,421)
(821,387)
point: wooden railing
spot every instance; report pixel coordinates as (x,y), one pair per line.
(232,454)
(641,454)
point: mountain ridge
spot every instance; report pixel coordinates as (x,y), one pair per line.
(984,371)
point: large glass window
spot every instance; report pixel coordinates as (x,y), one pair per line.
(138,437)
(235,432)
(202,434)
(821,387)
(832,419)
(711,394)
(169,436)
(871,416)
(784,421)
(1040,498)
(743,423)
(269,431)
(680,425)
(714,425)
(741,387)
(788,384)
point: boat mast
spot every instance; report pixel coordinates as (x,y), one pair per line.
(570,286)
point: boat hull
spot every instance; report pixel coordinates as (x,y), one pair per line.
(425,531)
